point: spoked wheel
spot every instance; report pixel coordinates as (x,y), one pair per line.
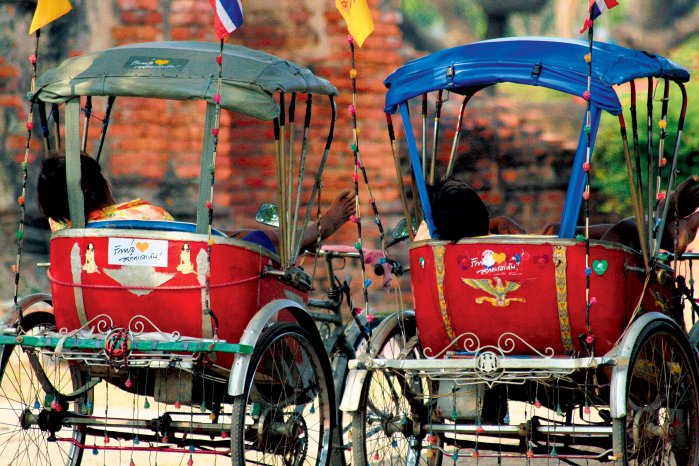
(386,427)
(32,430)
(286,413)
(662,421)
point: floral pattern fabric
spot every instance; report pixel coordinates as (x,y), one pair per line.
(136,209)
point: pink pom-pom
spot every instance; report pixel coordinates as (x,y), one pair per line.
(178,405)
(128,383)
(106,439)
(660,196)
(225,434)
(351,109)
(29,125)
(586,166)
(586,410)
(190,462)
(370,318)
(359,163)
(593,300)
(586,95)
(32,59)
(217,98)
(353,219)
(209,204)
(214,131)
(586,195)
(219,59)
(537,403)
(355,177)
(590,339)
(357,311)
(350,39)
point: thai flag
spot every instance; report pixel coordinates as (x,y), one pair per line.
(596,8)
(228,16)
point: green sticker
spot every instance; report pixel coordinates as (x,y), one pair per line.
(600,266)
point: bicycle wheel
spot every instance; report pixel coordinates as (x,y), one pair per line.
(358,342)
(287,412)
(384,426)
(662,421)
(32,431)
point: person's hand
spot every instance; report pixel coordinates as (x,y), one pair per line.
(503,225)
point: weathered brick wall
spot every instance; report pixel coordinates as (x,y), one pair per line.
(162,141)
(153,150)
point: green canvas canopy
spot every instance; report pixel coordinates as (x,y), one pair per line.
(182,71)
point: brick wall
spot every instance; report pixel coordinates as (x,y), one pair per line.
(164,144)
(153,150)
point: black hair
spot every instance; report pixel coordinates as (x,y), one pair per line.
(457,210)
(53,192)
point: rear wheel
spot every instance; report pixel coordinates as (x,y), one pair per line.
(392,407)
(286,413)
(662,421)
(32,430)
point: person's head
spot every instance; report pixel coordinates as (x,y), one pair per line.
(457,210)
(53,192)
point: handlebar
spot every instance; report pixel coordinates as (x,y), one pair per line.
(344,252)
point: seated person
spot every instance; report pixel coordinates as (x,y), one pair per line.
(680,228)
(100,204)
(458,212)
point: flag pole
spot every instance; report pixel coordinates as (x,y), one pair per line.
(16,268)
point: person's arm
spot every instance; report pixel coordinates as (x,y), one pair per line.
(503,225)
(336,215)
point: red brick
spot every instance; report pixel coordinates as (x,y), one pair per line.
(12,101)
(138,4)
(8,71)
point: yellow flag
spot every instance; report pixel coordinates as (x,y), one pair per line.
(48,11)
(358,18)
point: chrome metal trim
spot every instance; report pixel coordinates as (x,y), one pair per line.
(623,349)
(237,379)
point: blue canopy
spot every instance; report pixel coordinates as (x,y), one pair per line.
(538,61)
(549,62)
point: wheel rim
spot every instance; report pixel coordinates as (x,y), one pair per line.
(661,422)
(29,411)
(286,408)
(383,429)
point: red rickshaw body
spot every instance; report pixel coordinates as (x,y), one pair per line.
(160,276)
(530,287)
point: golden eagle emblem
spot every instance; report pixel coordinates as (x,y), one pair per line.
(496,289)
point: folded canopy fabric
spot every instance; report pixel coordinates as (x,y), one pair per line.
(182,71)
